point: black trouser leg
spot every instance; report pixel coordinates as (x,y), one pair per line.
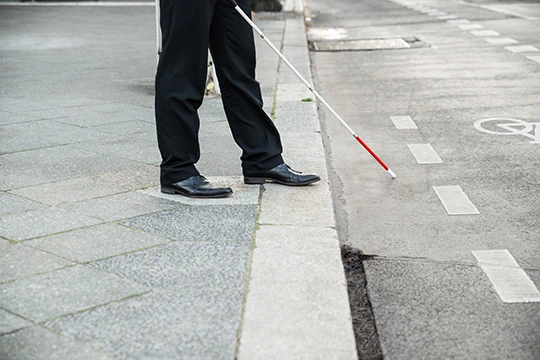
(180,85)
(233,51)
(189,27)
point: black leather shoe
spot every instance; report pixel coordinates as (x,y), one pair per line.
(282,174)
(196,187)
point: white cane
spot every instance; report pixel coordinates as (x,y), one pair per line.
(158,29)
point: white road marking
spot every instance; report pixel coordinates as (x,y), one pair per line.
(534,58)
(403,122)
(424,154)
(522,48)
(502,41)
(447,17)
(458,21)
(509,280)
(485,33)
(471,27)
(510,127)
(455,201)
(80,3)
(440,13)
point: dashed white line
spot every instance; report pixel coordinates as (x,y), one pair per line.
(509,280)
(485,33)
(502,41)
(447,17)
(455,201)
(424,154)
(534,58)
(471,27)
(403,122)
(522,48)
(458,21)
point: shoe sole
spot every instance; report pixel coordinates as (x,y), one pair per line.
(171,191)
(259,181)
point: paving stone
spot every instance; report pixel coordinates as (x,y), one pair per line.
(200,223)
(287,205)
(39,343)
(96,242)
(67,191)
(63,292)
(141,150)
(66,101)
(13,118)
(56,133)
(135,178)
(137,128)
(185,266)
(10,203)
(242,194)
(22,106)
(293,92)
(18,261)
(46,221)
(297,117)
(161,325)
(46,165)
(91,120)
(13,141)
(9,323)
(121,206)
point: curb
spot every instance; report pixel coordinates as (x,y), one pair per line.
(297,306)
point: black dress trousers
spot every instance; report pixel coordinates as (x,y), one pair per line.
(189,28)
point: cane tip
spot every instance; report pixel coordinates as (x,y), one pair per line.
(392,174)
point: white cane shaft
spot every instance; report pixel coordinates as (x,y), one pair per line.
(291,66)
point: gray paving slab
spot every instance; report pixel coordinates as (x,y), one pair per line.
(66,191)
(287,205)
(10,203)
(185,266)
(160,325)
(120,206)
(46,165)
(13,141)
(18,261)
(7,117)
(48,296)
(19,105)
(297,117)
(432,309)
(293,92)
(56,133)
(10,323)
(201,223)
(136,128)
(141,150)
(39,343)
(96,242)
(93,120)
(133,178)
(45,221)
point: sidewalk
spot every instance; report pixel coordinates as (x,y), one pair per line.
(96,263)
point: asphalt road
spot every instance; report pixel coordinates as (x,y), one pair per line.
(462,185)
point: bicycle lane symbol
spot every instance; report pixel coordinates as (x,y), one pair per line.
(510,127)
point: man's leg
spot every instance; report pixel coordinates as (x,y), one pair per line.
(180,83)
(233,52)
